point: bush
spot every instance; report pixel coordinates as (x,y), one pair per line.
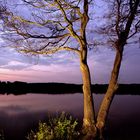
(63,127)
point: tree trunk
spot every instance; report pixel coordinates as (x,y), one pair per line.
(89,127)
(89,124)
(105,105)
(123,36)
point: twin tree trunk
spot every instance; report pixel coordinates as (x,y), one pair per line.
(113,86)
(91,126)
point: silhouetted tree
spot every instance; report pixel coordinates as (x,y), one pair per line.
(123,23)
(51,26)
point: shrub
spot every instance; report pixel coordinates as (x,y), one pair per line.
(62,127)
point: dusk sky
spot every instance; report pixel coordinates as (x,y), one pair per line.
(64,66)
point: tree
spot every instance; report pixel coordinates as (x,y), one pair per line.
(51,26)
(124,23)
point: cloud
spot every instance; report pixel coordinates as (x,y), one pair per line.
(58,68)
(64,67)
(15,65)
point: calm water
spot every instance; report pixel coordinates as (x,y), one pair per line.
(19,114)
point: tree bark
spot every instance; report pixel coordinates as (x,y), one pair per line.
(89,125)
(113,86)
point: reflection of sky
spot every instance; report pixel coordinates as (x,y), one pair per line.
(19,114)
(22,104)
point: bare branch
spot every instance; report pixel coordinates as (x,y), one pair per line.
(137,28)
(118,17)
(70,26)
(47,52)
(131,17)
(26,32)
(122,21)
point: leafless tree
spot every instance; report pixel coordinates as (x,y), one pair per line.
(123,23)
(50,26)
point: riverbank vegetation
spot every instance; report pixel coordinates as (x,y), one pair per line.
(61,127)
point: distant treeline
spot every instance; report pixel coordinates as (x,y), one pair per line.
(61,88)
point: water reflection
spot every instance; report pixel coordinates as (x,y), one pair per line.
(18,114)
(15,105)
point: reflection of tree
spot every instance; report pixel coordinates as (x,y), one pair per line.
(124,24)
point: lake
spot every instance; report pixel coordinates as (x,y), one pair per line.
(19,114)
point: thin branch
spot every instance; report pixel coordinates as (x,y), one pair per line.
(47,37)
(131,17)
(52,51)
(70,26)
(137,26)
(118,17)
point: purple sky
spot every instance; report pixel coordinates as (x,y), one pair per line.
(64,66)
